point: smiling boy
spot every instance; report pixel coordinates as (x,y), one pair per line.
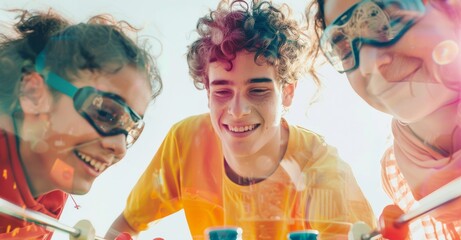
(243,164)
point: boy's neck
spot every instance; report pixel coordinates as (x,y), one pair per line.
(237,179)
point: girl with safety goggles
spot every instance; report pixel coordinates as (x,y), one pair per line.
(71,103)
(403,58)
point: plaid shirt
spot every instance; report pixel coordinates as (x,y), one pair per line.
(396,187)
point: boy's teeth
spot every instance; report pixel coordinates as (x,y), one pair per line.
(242,128)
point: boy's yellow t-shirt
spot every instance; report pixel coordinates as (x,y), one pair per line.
(311,189)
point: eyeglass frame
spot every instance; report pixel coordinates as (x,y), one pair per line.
(64,86)
(357,42)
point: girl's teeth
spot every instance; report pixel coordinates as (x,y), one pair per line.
(98,166)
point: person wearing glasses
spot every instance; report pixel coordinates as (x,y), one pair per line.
(403,58)
(242,164)
(72,99)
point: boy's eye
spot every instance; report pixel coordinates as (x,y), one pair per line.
(259,91)
(222,93)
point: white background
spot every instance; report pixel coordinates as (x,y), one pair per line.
(360,133)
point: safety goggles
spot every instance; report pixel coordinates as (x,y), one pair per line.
(106,112)
(378,23)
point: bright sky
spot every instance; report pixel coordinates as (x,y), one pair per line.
(360,133)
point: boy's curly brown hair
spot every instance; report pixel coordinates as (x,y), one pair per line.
(257,26)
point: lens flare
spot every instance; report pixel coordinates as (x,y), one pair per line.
(63,173)
(445,52)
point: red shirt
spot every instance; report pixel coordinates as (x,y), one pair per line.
(14,188)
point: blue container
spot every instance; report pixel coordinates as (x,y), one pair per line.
(303,235)
(224,233)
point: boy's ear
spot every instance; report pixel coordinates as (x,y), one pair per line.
(288,93)
(35,96)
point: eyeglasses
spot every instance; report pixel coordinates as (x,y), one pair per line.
(106,112)
(378,23)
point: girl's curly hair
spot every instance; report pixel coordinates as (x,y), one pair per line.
(258,27)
